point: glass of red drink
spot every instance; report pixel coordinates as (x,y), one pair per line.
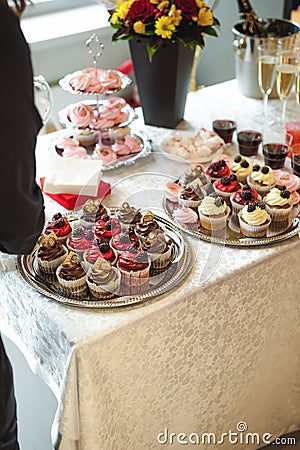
(249,141)
(225,129)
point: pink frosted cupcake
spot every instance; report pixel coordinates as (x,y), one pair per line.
(171,192)
(186,216)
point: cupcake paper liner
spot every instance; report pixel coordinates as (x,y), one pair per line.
(161,260)
(254,230)
(214,223)
(72,286)
(105,291)
(134,278)
(279,214)
(51,266)
(260,189)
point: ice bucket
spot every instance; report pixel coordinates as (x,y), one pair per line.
(245,48)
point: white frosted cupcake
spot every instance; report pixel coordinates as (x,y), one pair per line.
(254,219)
(103,280)
(213,213)
(261,179)
(71,275)
(159,249)
(242,167)
(85,137)
(51,254)
(279,205)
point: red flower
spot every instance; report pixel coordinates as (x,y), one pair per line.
(188,8)
(141,10)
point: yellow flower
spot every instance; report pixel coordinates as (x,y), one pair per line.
(155,2)
(163,5)
(205,17)
(114,18)
(139,27)
(164,27)
(201,4)
(175,15)
(122,8)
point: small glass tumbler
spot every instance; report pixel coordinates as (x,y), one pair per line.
(225,129)
(295,159)
(275,154)
(249,141)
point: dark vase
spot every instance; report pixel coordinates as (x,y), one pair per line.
(163,83)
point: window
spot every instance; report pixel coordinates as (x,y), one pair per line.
(38,7)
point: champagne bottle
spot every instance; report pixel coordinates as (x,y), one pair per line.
(253,25)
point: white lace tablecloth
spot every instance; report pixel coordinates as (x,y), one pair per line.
(221,348)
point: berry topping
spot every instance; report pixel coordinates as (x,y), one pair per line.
(132,249)
(238,159)
(251,207)
(57,216)
(89,235)
(59,223)
(96,242)
(246,187)
(281,188)
(244,164)
(219,201)
(285,194)
(214,167)
(78,232)
(104,247)
(221,163)
(232,177)
(256,168)
(225,181)
(214,195)
(259,204)
(265,170)
(142,257)
(105,217)
(246,195)
(124,238)
(108,225)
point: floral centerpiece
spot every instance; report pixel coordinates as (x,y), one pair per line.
(185,21)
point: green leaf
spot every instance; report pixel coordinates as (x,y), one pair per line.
(151,50)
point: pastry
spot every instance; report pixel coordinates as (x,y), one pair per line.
(217,170)
(106,227)
(242,167)
(103,280)
(71,275)
(99,249)
(121,242)
(128,215)
(213,213)
(254,219)
(92,81)
(80,240)
(104,154)
(242,197)
(190,195)
(86,138)
(171,191)
(146,225)
(159,248)
(226,186)
(51,253)
(261,179)
(80,115)
(279,206)
(134,266)
(60,226)
(91,211)
(185,216)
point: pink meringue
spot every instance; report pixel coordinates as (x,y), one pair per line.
(95,81)
(171,191)
(121,149)
(133,143)
(75,152)
(67,142)
(104,154)
(291,181)
(81,115)
(295,197)
(185,215)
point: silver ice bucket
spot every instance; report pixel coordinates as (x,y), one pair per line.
(245,48)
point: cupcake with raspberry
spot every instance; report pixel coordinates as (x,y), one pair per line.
(106,227)
(122,241)
(242,167)
(242,197)
(51,253)
(217,170)
(103,280)
(91,211)
(78,241)
(99,249)
(159,248)
(186,217)
(279,205)
(254,220)
(261,179)
(226,186)
(128,215)
(134,266)
(146,225)
(191,195)
(60,226)
(71,275)
(213,213)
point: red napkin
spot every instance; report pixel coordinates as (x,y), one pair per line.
(69,201)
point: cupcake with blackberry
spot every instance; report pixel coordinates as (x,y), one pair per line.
(226,186)
(146,225)
(242,197)
(218,170)
(128,216)
(80,240)
(279,205)
(190,195)
(60,226)
(106,227)
(103,280)
(91,211)
(242,167)
(122,241)
(261,179)
(159,248)
(213,213)
(71,275)
(99,249)
(254,220)
(51,253)
(134,266)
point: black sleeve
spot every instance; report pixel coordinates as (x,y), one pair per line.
(21,201)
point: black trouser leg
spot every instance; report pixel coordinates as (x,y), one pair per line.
(8,419)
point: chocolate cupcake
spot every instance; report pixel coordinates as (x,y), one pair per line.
(190,196)
(134,267)
(103,280)
(71,275)
(51,254)
(91,212)
(99,249)
(128,215)
(159,248)
(146,225)
(60,226)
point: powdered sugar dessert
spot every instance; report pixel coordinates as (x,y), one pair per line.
(198,147)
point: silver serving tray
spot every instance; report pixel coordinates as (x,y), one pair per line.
(65,84)
(63,115)
(160,281)
(124,160)
(231,235)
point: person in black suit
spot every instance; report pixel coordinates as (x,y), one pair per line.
(21,201)
(290,5)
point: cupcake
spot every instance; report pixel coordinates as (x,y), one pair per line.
(279,205)
(91,211)
(128,215)
(134,266)
(80,240)
(86,138)
(159,248)
(186,216)
(195,172)
(60,226)
(292,184)
(71,275)
(254,219)
(103,280)
(51,253)
(171,192)
(242,197)
(226,186)
(106,227)
(261,179)
(190,196)
(121,242)
(242,167)
(213,213)
(218,170)
(146,225)
(99,250)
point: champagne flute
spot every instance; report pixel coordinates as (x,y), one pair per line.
(268,58)
(286,74)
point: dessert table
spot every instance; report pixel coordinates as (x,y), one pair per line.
(219,352)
